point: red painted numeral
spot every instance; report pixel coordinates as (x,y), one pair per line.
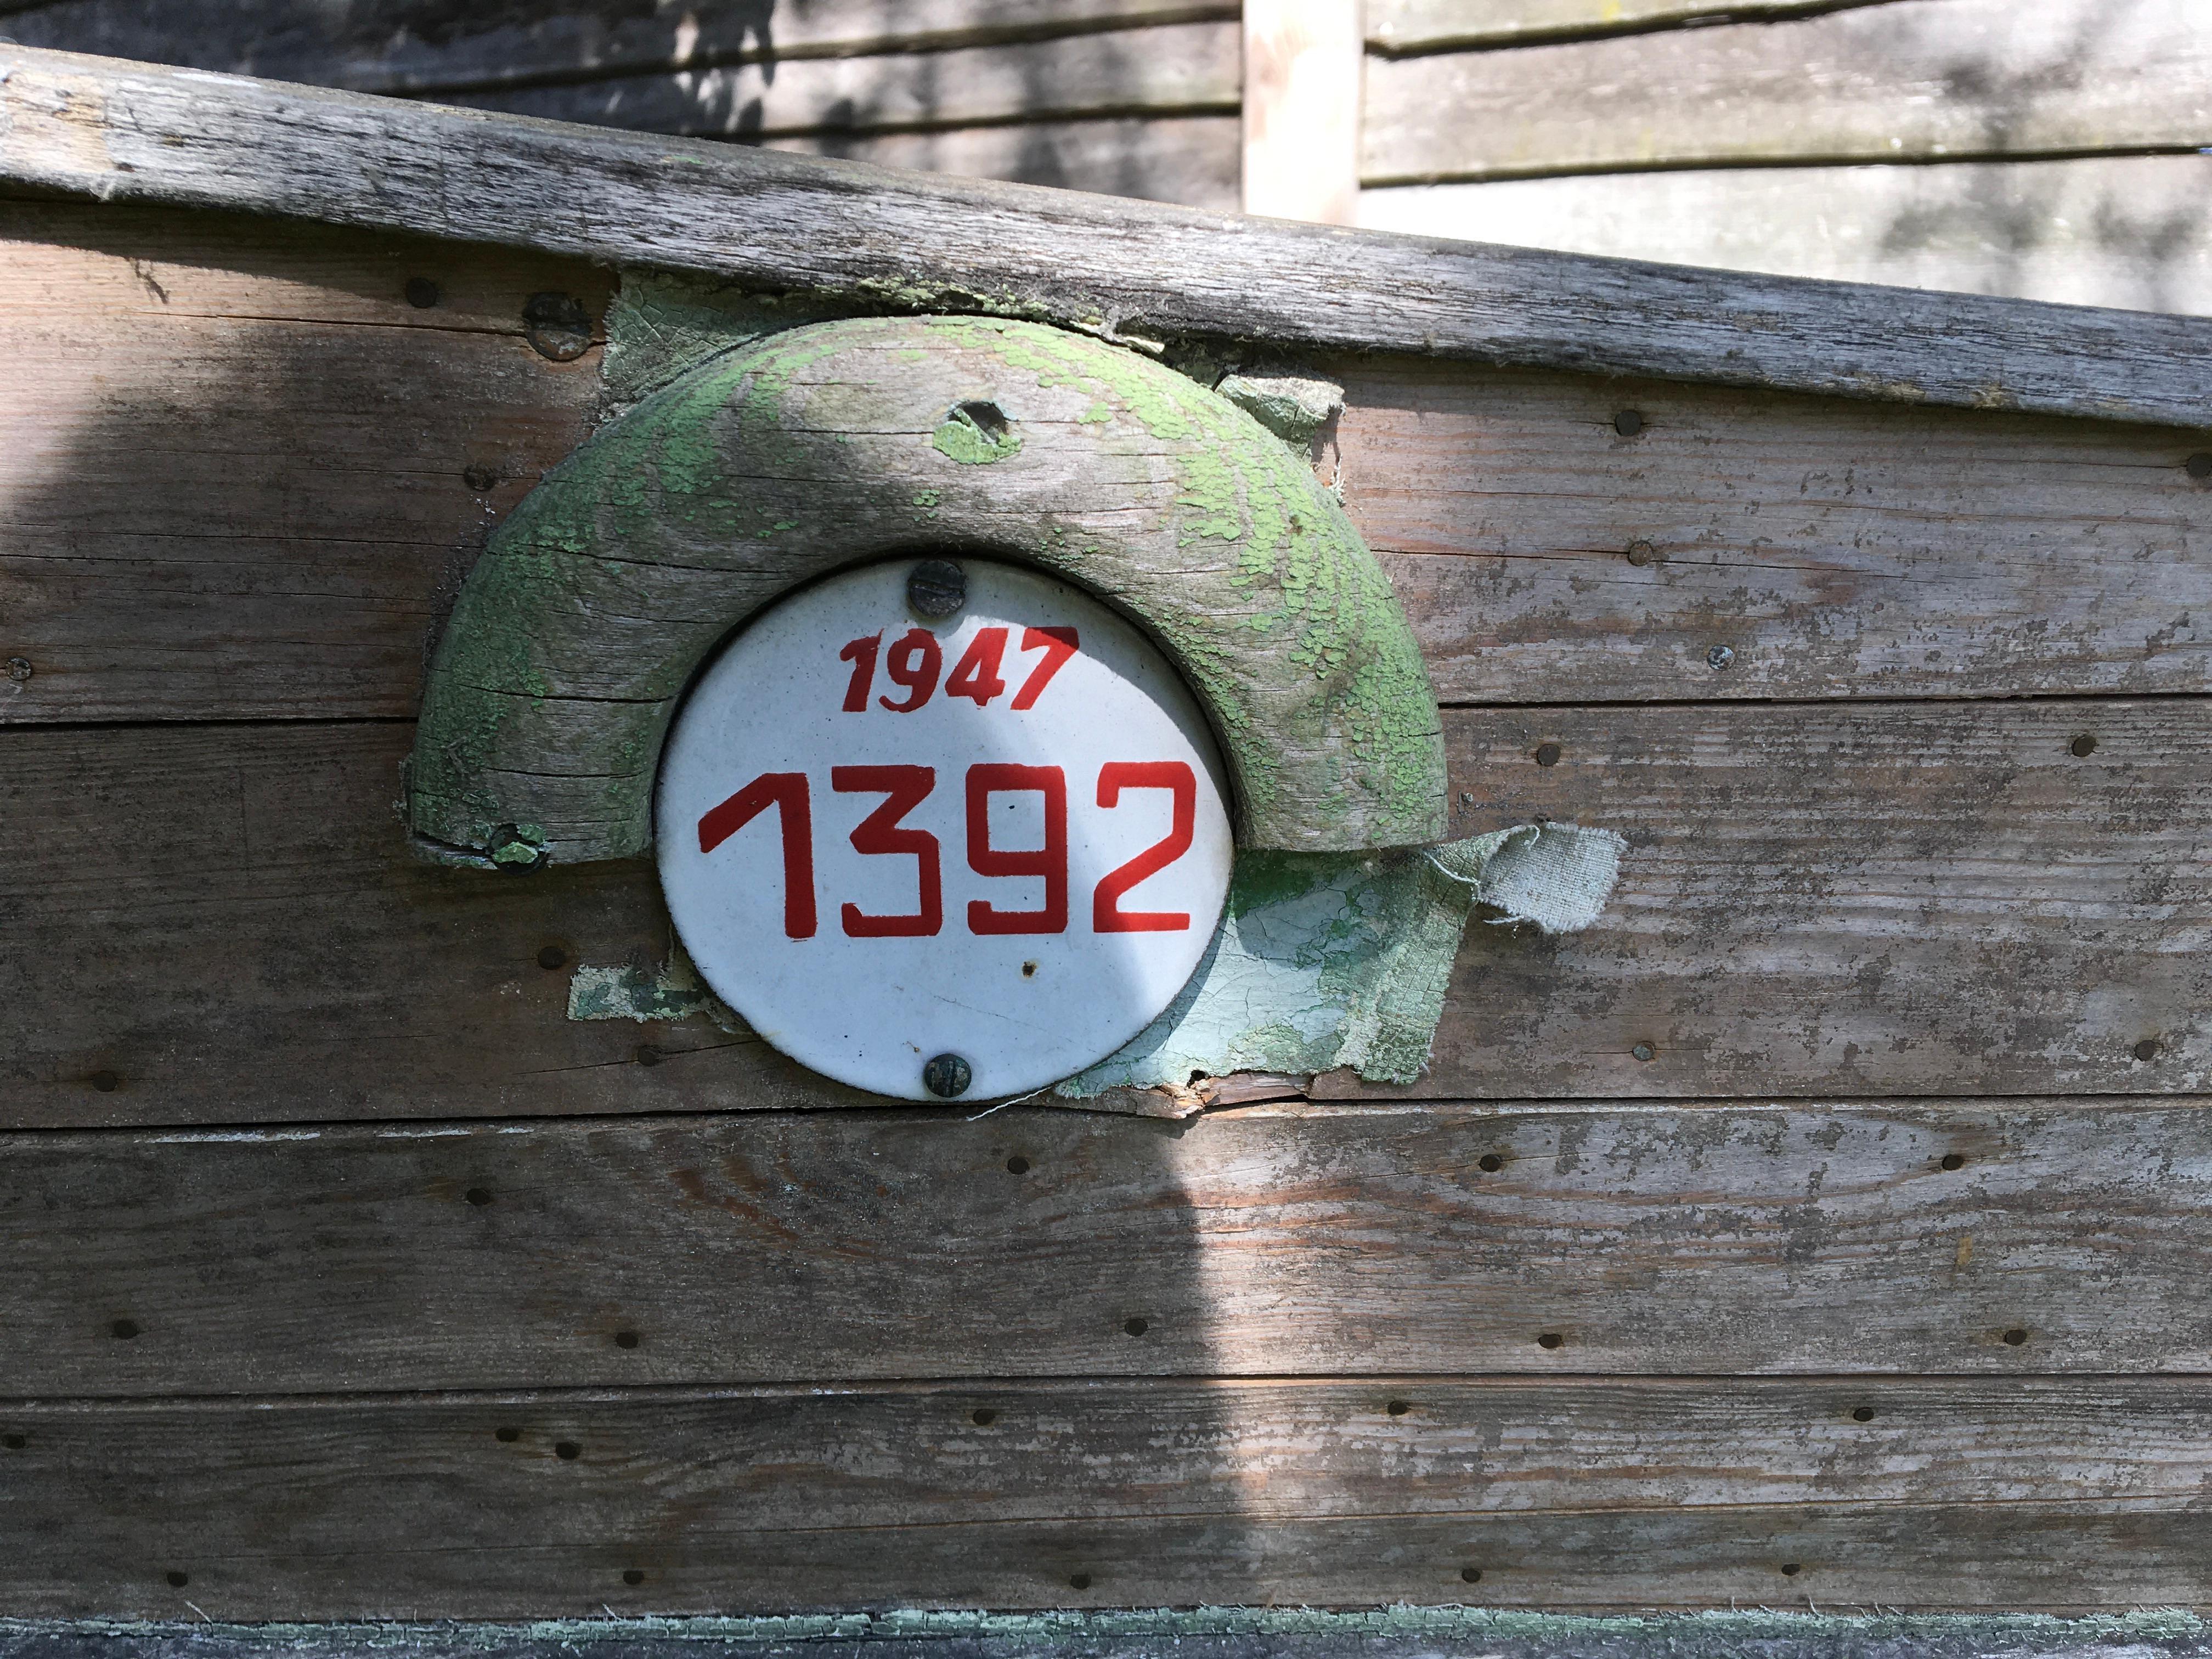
(861,653)
(1057,645)
(915,663)
(1050,860)
(976,677)
(787,791)
(1106,915)
(879,832)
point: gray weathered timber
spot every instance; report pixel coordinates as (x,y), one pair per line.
(1195,160)
(597,602)
(396,47)
(1181,69)
(1003,1494)
(125,132)
(1271,1241)
(292,560)
(1910,80)
(1838,550)
(1412,25)
(2130,231)
(1396,1632)
(227,923)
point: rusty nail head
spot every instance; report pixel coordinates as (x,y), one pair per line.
(1547,754)
(478,476)
(1628,422)
(937,588)
(2083,746)
(1640,553)
(421,293)
(1643,1051)
(2146,1050)
(1719,656)
(557,326)
(19,669)
(2199,465)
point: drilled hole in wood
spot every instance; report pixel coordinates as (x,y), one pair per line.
(1470,1575)
(1862,1414)
(625,1339)
(567,1451)
(2015,1337)
(982,1417)
(177,1580)
(106,1082)
(552,957)
(1791,1569)
(1018,1164)
(647,1054)
(632,1576)
(1550,1339)
(1135,1326)
(506,1436)
(12,1441)
(1490,1164)
(1079,1581)
(1397,1409)
(2083,746)
(990,420)
(1954,1160)
(478,1196)
(124,1329)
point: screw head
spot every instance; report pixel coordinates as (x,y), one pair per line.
(1719,656)
(557,326)
(19,669)
(1643,1051)
(937,588)
(947,1076)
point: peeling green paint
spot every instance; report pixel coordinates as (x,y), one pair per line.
(1330,960)
(963,438)
(670,992)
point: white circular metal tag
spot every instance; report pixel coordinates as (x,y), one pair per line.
(997,841)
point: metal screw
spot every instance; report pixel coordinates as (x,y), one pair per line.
(557,326)
(937,588)
(947,1076)
(1628,422)
(1719,656)
(1547,754)
(1640,553)
(1642,1051)
(19,669)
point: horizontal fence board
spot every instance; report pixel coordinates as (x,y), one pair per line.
(1107,1494)
(1825,1237)
(1176,68)
(396,47)
(290,560)
(1838,550)
(1408,25)
(1918,78)
(2125,231)
(1195,160)
(225,923)
(143,134)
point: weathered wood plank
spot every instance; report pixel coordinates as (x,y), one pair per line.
(1408,25)
(1924,552)
(1045,1495)
(2123,231)
(1913,79)
(819,1248)
(1838,552)
(122,132)
(393,46)
(1191,159)
(226,924)
(1181,69)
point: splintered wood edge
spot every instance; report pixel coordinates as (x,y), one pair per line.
(545,709)
(892,240)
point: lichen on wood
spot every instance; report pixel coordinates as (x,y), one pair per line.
(822,445)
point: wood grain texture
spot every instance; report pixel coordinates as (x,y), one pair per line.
(1180,69)
(396,47)
(1689,1493)
(1919,78)
(1190,159)
(1865,900)
(1412,25)
(1266,1241)
(1841,549)
(2130,231)
(118,132)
